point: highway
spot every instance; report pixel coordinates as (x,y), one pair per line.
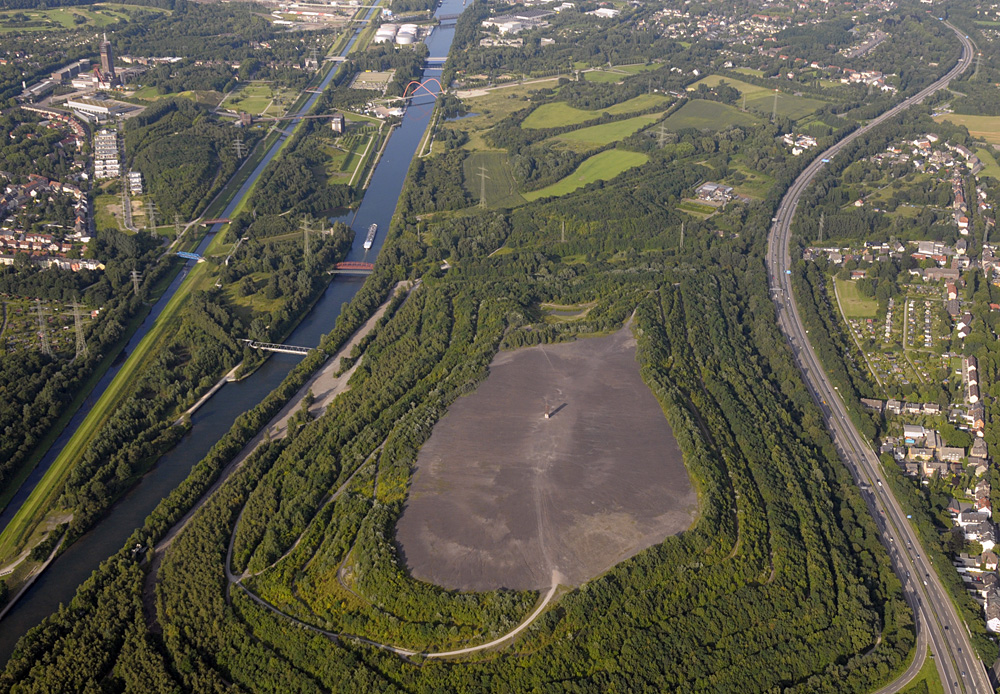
(937,620)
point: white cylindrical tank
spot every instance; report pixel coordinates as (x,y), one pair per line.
(404,39)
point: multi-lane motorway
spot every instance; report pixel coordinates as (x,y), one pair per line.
(937,620)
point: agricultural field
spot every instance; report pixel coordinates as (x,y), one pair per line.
(260,99)
(708,115)
(600,167)
(501,188)
(980,127)
(19,326)
(761,99)
(558,113)
(599,135)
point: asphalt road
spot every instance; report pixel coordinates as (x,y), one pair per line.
(959,666)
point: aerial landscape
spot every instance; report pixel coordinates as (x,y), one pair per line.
(499,346)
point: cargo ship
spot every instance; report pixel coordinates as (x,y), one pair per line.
(371,236)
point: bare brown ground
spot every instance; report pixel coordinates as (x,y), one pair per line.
(501,497)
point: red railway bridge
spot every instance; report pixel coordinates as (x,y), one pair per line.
(353,267)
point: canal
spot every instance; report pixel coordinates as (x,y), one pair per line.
(59,583)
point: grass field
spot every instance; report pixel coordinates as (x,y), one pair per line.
(990,166)
(207,97)
(599,135)
(501,188)
(698,209)
(600,167)
(853,304)
(60,18)
(761,99)
(558,113)
(260,99)
(980,127)
(927,680)
(708,115)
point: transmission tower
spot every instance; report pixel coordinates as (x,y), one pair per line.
(822,221)
(81,343)
(774,109)
(239,148)
(662,135)
(136,279)
(314,56)
(178,225)
(482,186)
(151,215)
(43,335)
(562,235)
(979,64)
(682,236)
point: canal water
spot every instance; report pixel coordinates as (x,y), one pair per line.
(58,584)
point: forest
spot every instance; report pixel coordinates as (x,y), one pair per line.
(782,539)
(781,584)
(185,154)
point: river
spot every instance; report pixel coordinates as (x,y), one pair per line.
(59,583)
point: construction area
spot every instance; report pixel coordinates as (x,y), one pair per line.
(561,460)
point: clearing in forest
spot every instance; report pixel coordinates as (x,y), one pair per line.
(501,188)
(853,304)
(708,115)
(761,99)
(502,496)
(557,114)
(600,167)
(586,139)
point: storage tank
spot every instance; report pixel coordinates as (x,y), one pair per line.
(405,39)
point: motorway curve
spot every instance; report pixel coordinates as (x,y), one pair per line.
(959,666)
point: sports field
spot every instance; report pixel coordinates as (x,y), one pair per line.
(708,115)
(599,135)
(501,188)
(853,304)
(980,127)
(600,167)
(558,113)
(761,99)
(502,496)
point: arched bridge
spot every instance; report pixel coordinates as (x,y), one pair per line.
(418,86)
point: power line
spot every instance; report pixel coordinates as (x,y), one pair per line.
(178,225)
